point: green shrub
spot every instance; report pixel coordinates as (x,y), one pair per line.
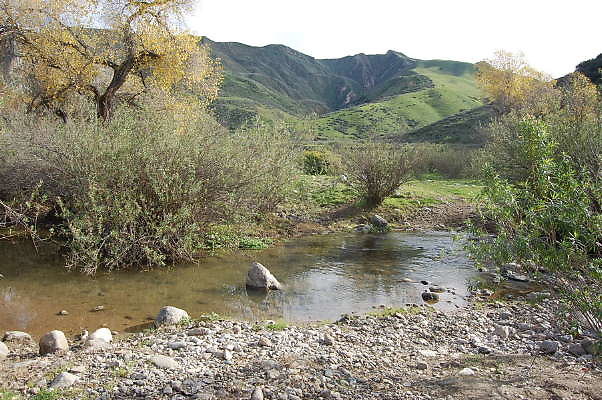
(549,219)
(315,162)
(377,170)
(134,192)
(446,161)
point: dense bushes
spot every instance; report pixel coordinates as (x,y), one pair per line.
(543,194)
(445,160)
(376,170)
(134,192)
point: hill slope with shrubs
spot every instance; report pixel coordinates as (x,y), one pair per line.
(356,95)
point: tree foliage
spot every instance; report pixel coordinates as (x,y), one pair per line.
(510,82)
(109,51)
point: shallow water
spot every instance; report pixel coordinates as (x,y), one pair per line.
(324,276)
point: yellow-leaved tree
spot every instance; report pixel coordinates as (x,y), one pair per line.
(108,51)
(511,83)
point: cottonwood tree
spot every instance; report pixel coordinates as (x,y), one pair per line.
(108,51)
(511,83)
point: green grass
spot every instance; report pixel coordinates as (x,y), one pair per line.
(461,128)
(429,192)
(277,326)
(47,395)
(390,311)
(8,395)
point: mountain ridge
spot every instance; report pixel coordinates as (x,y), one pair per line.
(278,82)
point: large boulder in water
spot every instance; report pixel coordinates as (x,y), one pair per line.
(259,277)
(170,316)
(52,342)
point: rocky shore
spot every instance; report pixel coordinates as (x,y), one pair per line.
(509,350)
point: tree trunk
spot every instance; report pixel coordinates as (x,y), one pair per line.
(106,102)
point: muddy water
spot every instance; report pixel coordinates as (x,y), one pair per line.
(324,277)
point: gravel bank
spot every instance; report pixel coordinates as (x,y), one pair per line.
(487,350)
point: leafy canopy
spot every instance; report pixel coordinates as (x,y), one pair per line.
(110,51)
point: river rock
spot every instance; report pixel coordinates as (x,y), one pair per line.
(429,296)
(52,342)
(164,362)
(63,380)
(549,346)
(328,340)
(102,334)
(93,345)
(379,221)
(466,372)
(437,289)
(3,351)
(198,332)
(589,346)
(502,331)
(16,336)
(257,394)
(170,316)
(261,278)
(576,349)
(264,342)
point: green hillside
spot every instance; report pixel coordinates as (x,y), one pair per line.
(351,97)
(452,91)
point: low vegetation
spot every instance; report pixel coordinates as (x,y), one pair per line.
(376,171)
(543,191)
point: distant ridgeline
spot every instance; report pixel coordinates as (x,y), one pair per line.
(351,97)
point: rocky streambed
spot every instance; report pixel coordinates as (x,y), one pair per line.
(509,350)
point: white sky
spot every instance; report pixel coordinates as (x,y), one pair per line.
(555,35)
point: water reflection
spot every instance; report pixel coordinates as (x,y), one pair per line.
(324,277)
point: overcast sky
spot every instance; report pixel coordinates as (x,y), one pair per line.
(555,35)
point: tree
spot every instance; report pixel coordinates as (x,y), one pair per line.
(109,51)
(511,83)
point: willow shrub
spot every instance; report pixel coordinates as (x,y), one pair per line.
(376,170)
(133,192)
(551,219)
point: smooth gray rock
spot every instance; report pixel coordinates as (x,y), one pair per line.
(260,277)
(198,332)
(257,394)
(589,346)
(96,345)
(503,331)
(379,221)
(170,316)
(3,351)
(52,342)
(164,362)
(466,372)
(63,380)
(176,345)
(429,296)
(328,340)
(16,336)
(576,349)
(102,334)
(549,346)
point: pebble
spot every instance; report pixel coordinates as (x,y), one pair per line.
(164,362)
(63,380)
